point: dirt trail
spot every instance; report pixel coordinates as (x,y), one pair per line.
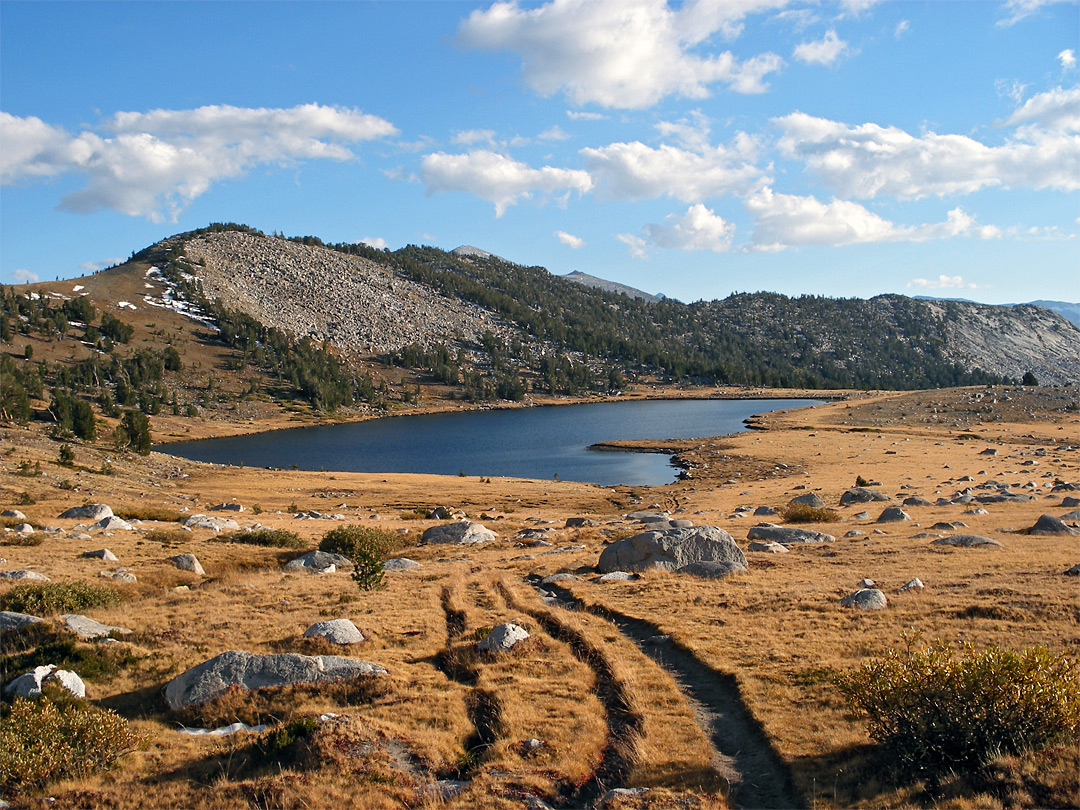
(743,754)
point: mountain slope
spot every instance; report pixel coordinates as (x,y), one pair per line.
(611,286)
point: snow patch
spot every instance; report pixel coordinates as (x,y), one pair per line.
(78,287)
(126,305)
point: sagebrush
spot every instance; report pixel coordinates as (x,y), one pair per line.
(57,597)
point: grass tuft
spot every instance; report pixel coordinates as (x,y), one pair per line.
(274,538)
(803,513)
(44,598)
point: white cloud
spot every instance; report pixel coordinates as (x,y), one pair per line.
(93,267)
(942,283)
(691,132)
(554,133)
(632,171)
(575,115)
(786,220)
(624,54)
(163,159)
(1067,58)
(902,28)
(496,178)
(1056,110)
(466,137)
(23,276)
(1021,9)
(570,240)
(698,229)
(637,246)
(376,242)
(824,51)
(799,18)
(869,160)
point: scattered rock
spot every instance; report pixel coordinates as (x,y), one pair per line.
(87,628)
(101,554)
(559,578)
(976,511)
(318,562)
(247,670)
(400,564)
(862,495)
(861,515)
(336,631)
(1072,572)
(1050,525)
(764,511)
(915,500)
(16,621)
(440,513)
(867,583)
(503,638)
(29,684)
(893,514)
(188,562)
(768,546)
(810,499)
(914,585)
(1073,515)
(119,575)
(671,549)
(30,575)
(1070,502)
(13,513)
(217,524)
(865,599)
(227,507)
(617,576)
(855,533)
(575,522)
(462,533)
(112,524)
(93,511)
(989,451)
(787,534)
(966,541)
(24,528)
(645,517)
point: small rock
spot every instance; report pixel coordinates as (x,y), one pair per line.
(112,524)
(787,534)
(559,578)
(28,575)
(87,628)
(867,583)
(861,515)
(217,524)
(462,533)
(188,562)
(119,575)
(865,599)
(400,564)
(29,684)
(966,541)
(1072,572)
(13,513)
(617,576)
(336,631)
(503,638)
(768,546)
(810,499)
(855,533)
(575,522)
(764,511)
(914,585)
(711,569)
(101,554)
(893,514)
(318,562)
(227,507)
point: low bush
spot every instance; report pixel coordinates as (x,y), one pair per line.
(804,513)
(149,513)
(41,598)
(275,538)
(20,539)
(937,710)
(167,536)
(366,548)
(42,741)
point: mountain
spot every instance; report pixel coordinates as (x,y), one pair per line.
(1071,312)
(611,286)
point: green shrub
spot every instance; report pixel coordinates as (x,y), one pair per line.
(158,513)
(365,547)
(20,539)
(804,513)
(42,643)
(42,741)
(861,482)
(276,538)
(55,597)
(938,710)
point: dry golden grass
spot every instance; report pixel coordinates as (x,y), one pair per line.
(776,633)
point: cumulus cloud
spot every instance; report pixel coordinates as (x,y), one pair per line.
(627,54)
(570,240)
(869,160)
(376,242)
(1067,58)
(23,276)
(1057,110)
(162,159)
(497,178)
(634,171)
(638,247)
(824,51)
(787,220)
(467,137)
(555,133)
(943,283)
(698,229)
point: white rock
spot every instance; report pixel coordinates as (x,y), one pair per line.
(29,684)
(336,631)
(503,638)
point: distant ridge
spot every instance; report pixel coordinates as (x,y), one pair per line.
(611,286)
(1067,310)
(469,250)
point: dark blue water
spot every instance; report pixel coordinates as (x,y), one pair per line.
(519,443)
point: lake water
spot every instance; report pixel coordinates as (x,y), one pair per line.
(540,442)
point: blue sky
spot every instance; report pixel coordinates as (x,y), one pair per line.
(845,148)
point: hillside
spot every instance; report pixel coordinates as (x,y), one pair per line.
(611,286)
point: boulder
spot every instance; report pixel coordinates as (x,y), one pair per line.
(865,599)
(1074,571)
(1050,525)
(101,554)
(764,511)
(188,562)
(217,524)
(671,549)
(16,621)
(966,541)
(1073,515)
(336,631)
(768,546)
(400,564)
(440,513)
(245,670)
(617,576)
(711,569)
(787,534)
(93,511)
(645,517)
(227,507)
(87,628)
(17,515)
(862,495)
(119,575)
(29,684)
(27,575)
(811,499)
(564,577)
(462,533)
(318,562)
(855,533)
(893,514)
(1069,502)
(112,524)
(989,451)
(915,500)
(503,638)
(575,522)
(913,585)
(998,497)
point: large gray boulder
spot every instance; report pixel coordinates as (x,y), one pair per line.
(15,513)
(213,522)
(894,514)
(188,562)
(865,599)
(87,628)
(787,534)
(101,554)
(1050,525)
(462,533)
(671,549)
(336,631)
(318,562)
(10,620)
(862,495)
(245,670)
(811,499)
(93,511)
(966,541)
